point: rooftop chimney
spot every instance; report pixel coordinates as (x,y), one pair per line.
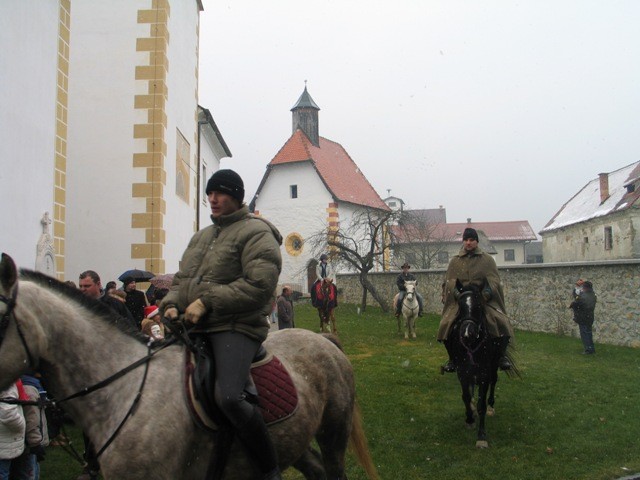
(604,186)
(468,219)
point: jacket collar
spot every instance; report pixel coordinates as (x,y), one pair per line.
(225,220)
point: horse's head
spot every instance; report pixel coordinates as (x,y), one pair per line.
(410,286)
(470,309)
(15,355)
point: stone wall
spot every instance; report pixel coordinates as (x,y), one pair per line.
(537,296)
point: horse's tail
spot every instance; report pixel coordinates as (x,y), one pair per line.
(359,445)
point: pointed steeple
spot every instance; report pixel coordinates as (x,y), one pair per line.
(305,117)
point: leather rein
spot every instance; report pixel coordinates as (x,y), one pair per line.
(41,403)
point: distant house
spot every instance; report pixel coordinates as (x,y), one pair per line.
(431,242)
(600,222)
(310,186)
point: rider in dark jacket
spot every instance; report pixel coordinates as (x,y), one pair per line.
(404,277)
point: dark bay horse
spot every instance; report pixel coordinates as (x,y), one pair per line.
(476,357)
(139,420)
(326,301)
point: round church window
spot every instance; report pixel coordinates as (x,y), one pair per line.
(294,243)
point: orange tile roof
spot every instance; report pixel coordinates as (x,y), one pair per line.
(338,171)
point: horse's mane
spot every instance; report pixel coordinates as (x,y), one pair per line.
(100,309)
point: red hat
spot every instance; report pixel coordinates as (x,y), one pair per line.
(151,311)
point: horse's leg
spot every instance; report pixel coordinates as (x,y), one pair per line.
(334,327)
(467,397)
(406,325)
(333,438)
(482,410)
(413,326)
(491,400)
(322,322)
(310,465)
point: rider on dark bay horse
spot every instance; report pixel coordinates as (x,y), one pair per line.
(473,266)
(400,280)
(324,271)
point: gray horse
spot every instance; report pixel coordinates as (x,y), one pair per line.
(76,344)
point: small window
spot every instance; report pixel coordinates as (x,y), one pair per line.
(608,238)
(293,190)
(509,255)
(392,204)
(443,257)
(586,239)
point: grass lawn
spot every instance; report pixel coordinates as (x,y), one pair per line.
(570,416)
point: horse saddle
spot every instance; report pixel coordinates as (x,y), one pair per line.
(269,386)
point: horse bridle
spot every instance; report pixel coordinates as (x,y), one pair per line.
(462,321)
(10,303)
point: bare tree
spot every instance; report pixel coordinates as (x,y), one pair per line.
(361,245)
(421,236)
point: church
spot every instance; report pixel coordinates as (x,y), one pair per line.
(105,149)
(311,185)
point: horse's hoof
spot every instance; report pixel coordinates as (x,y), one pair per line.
(470,426)
(413,335)
(406,337)
(490,411)
(482,444)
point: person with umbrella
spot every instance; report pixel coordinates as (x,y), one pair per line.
(135,301)
(225,286)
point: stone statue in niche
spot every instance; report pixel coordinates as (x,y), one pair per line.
(45,253)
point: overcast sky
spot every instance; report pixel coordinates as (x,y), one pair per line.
(496,110)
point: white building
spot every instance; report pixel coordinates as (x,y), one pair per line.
(310,185)
(107,137)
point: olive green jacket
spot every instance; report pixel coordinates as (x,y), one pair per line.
(474,268)
(233,267)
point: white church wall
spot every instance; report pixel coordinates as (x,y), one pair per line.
(182,115)
(101,143)
(29,34)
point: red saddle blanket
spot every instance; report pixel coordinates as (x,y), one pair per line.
(277,395)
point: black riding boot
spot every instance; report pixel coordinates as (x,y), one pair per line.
(450,366)
(256,440)
(503,362)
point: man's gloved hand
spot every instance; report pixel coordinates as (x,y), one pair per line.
(38,451)
(171,313)
(195,311)
(487,294)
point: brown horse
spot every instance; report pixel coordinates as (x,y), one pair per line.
(326,303)
(139,419)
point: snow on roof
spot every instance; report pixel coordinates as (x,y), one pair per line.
(586,204)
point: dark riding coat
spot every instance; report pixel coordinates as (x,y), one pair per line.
(473,268)
(233,267)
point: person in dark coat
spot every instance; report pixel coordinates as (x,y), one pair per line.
(136,300)
(583,306)
(285,309)
(472,266)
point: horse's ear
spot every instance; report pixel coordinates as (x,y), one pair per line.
(458,285)
(8,272)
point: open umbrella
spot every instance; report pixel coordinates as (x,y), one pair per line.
(137,275)
(162,281)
